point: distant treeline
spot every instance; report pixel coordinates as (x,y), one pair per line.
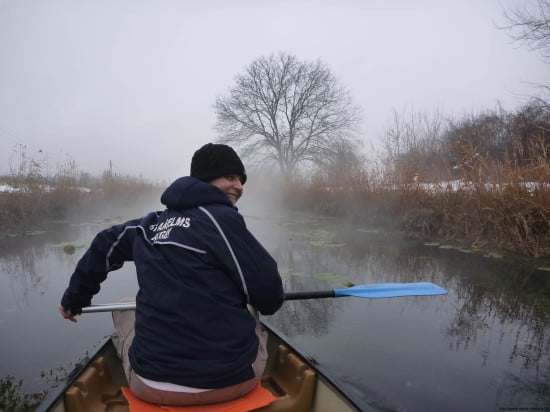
(482,181)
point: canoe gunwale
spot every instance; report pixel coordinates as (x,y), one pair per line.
(319,369)
(54,395)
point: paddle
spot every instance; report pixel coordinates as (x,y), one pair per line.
(374,291)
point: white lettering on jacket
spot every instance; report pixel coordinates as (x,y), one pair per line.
(161,235)
(170,222)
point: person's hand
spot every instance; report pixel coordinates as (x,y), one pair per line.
(65,315)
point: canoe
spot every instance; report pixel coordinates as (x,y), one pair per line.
(296,380)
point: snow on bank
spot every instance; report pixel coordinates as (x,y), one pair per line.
(5,188)
(449,186)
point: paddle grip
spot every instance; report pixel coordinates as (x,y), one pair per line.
(309,295)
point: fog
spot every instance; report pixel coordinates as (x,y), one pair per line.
(133,82)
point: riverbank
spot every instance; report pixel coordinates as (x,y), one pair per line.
(26,204)
(356,339)
(481,182)
(510,218)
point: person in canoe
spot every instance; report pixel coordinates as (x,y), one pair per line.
(194,337)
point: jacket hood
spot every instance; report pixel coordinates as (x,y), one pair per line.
(187,192)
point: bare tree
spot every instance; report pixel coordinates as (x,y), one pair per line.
(531,26)
(288,111)
(413,144)
(343,164)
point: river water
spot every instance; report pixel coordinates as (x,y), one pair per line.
(483,347)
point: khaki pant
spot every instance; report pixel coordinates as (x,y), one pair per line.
(122,338)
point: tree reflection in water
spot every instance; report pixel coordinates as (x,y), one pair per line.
(494,305)
(490,334)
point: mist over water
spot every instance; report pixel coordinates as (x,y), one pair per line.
(484,346)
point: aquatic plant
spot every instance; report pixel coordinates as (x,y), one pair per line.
(289,272)
(331,277)
(481,182)
(69,249)
(13,399)
(31,194)
(494,254)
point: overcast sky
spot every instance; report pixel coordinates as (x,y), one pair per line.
(134,82)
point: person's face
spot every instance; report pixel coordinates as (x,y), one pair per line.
(231,185)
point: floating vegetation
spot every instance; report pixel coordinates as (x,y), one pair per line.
(459,248)
(321,238)
(494,254)
(69,249)
(373,231)
(21,234)
(320,243)
(318,235)
(36,232)
(8,235)
(544,268)
(349,284)
(12,398)
(254,217)
(290,272)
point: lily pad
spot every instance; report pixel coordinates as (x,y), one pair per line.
(8,235)
(36,232)
(494,254)
(69,249)
(322,243)
(290,272)
(331,277)
(318,234)
(375,231)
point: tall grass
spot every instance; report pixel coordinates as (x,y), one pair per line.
(33,204)
(461,184)
(34,197)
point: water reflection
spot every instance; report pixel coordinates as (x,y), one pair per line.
(484,346)
(24,260)
(495,318)
(35,345)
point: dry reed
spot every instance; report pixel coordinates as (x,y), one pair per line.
(497,199)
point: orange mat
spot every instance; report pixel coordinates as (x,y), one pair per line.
(257,398)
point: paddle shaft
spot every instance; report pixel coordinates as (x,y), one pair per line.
(381,290)
(132,305)
(310,295)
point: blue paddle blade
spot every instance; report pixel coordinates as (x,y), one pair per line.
(391,290)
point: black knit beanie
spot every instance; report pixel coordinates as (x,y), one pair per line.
(216,160)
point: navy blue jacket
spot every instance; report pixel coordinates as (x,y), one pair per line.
(197,267)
